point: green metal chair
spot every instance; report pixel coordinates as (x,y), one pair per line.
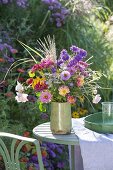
(11,160)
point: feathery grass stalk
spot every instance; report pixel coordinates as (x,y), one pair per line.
(27,47)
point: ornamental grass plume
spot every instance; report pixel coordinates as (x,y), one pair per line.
(59,79)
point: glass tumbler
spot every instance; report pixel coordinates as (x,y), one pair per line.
(107,112)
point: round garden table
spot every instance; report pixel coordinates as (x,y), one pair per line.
(43,133)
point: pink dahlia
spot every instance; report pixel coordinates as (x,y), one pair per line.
(45,97)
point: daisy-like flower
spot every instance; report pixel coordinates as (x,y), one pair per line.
(63,90)
(21,97)
(75,114)
(45,97)
(65,75)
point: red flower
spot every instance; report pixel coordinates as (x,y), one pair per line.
(29,81)
(2,60)
(26,134)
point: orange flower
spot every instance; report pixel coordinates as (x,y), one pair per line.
(44,153)
(2,60)
(71,99)
(80,81)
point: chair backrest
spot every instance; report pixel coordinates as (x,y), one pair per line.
(11,160)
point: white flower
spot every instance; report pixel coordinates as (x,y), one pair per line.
(19,87)
(96,99)
(21,97)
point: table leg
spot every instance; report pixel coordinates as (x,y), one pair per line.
(72,157)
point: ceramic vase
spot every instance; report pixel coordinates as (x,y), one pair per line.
(60,119)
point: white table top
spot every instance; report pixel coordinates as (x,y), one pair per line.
(43,132)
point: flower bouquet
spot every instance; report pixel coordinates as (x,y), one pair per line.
(63,79)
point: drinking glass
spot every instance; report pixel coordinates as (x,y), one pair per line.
(107,112)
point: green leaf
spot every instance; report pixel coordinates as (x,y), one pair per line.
(41,107)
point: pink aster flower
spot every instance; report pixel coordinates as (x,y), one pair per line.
(45,97)
(63,90)
(65,75)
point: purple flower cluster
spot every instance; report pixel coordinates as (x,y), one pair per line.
(53,157)
(20,3)
(78,55)
(7,52)
(58,12)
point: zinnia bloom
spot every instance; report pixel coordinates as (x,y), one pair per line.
(65,75)
(63,90)
(71,99)
(45,97)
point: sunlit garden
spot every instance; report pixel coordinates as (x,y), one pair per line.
(52,51)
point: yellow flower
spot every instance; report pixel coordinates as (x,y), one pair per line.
(81,98)
(82,112)
(63,90)
(37,80)
(75,114)
(31,74)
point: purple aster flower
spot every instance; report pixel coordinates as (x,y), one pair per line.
(58,12)
(65,75)
(74,49)
(59,62)
(72,63)
(64,55)
(52,154)
(83,53)
(53,69)
(72,70)
(45,97)
(78,57)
